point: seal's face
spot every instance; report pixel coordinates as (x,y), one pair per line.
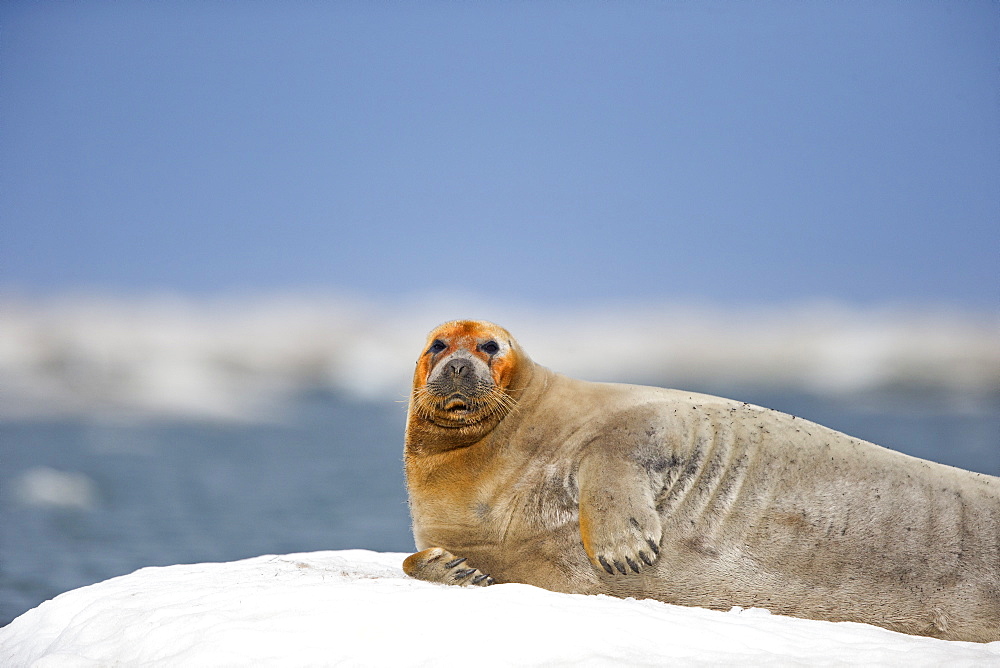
(464,373)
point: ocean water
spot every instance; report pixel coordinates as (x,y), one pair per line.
(83,499)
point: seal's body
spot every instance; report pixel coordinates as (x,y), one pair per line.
(518,474)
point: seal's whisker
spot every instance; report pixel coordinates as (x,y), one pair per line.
(483,400)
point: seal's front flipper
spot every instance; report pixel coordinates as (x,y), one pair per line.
(436,564)
(619,526)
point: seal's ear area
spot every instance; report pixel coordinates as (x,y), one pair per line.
(503,364)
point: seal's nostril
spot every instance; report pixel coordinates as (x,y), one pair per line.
(458,367)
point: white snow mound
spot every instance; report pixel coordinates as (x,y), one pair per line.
(357,608)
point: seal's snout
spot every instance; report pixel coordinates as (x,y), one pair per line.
(458,374)
(459,367)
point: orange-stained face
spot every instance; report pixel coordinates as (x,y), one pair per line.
(463,373)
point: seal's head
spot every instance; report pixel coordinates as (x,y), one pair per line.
(465,377)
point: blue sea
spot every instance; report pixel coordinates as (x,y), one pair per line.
(85,499)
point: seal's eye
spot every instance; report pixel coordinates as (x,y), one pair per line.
(490,348)
(437,346)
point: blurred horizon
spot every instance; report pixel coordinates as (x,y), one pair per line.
(253,357)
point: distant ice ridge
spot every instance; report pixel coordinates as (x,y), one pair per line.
(241,358)
(44,486)
(357,608)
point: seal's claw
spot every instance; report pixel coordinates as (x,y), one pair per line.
(620,527)
(437,564)
(622,547)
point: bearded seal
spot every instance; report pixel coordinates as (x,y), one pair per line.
(519,474)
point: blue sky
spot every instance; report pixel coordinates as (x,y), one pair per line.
(549,152)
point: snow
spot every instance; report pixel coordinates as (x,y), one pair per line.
(357,608)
